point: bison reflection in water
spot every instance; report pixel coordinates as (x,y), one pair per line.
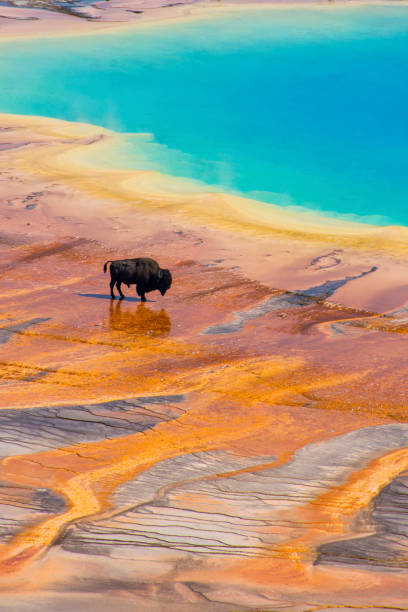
(139,322)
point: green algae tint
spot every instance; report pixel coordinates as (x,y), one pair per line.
(299,107)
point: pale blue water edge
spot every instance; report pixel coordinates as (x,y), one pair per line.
(299,107)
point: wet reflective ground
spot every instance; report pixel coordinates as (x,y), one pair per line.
(239,444)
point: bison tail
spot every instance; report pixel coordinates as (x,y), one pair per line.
(106,264)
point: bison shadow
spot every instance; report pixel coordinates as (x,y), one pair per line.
(105,296)
(139,322)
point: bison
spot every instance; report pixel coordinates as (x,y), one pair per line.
(143,272)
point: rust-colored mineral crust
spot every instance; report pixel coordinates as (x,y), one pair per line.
(238,444)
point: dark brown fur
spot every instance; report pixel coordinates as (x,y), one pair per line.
(143,272)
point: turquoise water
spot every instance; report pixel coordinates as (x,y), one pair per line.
(304,107)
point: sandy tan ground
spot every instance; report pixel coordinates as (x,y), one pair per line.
(112,15)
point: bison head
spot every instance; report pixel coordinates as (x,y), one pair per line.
(164,281)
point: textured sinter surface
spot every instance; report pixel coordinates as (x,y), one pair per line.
(238,444)
(48,17)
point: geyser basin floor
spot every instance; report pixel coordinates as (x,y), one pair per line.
(242,454)
(263,411)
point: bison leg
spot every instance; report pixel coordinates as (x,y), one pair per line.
(118,284)
(140,292)
(112,284)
